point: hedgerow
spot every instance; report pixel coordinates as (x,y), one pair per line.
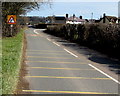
(102,37)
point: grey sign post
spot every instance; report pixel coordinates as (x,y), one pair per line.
(11,27)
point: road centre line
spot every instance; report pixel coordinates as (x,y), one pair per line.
(88,64)
(104,73)
(70,92)
(70,53)
(56,44)
(67,77)
(60,68)
(57,62)
(35,31)
(48,39)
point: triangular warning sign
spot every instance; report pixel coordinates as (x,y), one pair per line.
(11,20)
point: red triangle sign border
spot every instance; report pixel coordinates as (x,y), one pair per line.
(11,22)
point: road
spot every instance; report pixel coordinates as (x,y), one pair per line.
(55,69)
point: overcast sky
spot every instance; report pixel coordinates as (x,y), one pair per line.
(78,8)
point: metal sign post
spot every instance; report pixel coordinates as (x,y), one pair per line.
(11,27)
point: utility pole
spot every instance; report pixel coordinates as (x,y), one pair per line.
(92,17)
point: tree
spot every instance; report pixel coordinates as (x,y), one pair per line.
(17,8)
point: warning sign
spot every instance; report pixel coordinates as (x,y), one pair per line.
(11,19)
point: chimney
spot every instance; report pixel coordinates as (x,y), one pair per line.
(66,15)
(80,17)
(73,15)
(104,15)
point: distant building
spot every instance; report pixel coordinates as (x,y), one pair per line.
(66,19)
(118,20)
(75,20)
(92,21)
(98,21)
(108,19)
(59,19)
(34,20)
(56,19)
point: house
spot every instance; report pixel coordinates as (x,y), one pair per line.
(56,19)
(119,20)
(65,20)
(92,21)
(59,19)
(108,19)
(75,20)
(97,21)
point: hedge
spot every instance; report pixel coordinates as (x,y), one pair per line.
(102,37)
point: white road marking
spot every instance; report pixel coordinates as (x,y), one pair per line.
(56,44)
(104,73)
(48,39)
(70,52)
(35,31)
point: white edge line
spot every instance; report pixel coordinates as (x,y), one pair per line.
(70,52)
(56,44)
(104,73)
(48,39)
(35,31)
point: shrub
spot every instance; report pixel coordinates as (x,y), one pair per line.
(81,32)
(102,37)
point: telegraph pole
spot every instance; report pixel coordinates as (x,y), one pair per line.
(92,17)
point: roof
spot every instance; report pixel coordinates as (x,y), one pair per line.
(60,18)
(76,19)
(97,21)
(111,17)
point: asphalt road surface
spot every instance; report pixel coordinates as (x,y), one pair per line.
(55,69)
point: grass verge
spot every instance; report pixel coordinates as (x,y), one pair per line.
(11,58)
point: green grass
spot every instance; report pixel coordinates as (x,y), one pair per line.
(11,56)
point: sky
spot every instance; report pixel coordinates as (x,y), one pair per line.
(84,9)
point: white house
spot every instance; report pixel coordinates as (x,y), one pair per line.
(75,20)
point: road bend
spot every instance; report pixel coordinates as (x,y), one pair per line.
(54,69)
